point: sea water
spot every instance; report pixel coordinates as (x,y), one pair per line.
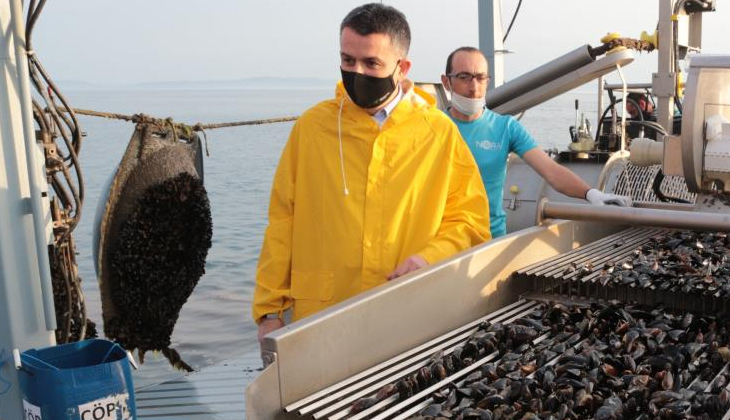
(215,324)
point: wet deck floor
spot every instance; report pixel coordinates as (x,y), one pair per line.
(215,392)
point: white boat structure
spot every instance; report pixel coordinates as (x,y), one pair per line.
(556,251)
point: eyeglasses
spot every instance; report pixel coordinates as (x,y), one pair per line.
(467,77)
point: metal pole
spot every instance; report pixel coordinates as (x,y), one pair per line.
(601,85)
(490,39)
(664,81)
(23,221)
(39,200)
(674,219)
(540,76)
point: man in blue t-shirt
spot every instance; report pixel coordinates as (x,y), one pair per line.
(491,137)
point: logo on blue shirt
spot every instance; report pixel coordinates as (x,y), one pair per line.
(487,145)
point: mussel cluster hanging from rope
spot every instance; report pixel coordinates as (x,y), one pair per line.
(152,234)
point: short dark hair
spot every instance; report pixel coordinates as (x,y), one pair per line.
(376,18)
(450,58)
(636,96)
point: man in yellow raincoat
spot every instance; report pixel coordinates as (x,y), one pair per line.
(371,185)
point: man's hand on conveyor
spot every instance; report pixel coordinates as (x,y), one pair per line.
(598,198)
(267,325)
(412,263)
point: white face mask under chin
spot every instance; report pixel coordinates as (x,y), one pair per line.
(467,106)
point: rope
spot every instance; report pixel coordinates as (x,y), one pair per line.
(142,118)
(130,118)
(175,128)
(630,43)
(250,122)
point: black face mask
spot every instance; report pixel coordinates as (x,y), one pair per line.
(368,91)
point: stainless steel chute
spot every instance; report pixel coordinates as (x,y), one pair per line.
(567,273)
(383,323)
(571,278)
(335,402)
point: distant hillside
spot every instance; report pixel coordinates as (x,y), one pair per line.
(246,83)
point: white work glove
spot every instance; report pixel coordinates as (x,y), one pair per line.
(598,198)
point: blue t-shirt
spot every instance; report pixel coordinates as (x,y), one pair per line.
(491,138)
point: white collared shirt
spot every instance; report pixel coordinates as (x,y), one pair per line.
(383,114)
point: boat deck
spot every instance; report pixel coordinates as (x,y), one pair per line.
(214,392)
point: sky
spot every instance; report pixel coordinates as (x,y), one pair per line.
(143,41)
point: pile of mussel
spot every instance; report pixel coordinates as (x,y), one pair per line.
(685,262)
(603,361)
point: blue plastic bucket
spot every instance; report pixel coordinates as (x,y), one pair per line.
(88,380)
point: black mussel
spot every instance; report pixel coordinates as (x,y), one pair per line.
(386,392)
(674,353)
(438,371)
(480,390)
(363,404)
(659,362)
(565,392)
(474,377)
(448,363)
(491,401)
(414,383)
(548,379)
(511,356)
(507,366)
(514,391)
(515,375)
(629,363)
(675,410)
(521,334)
(562,411)
(528,368)
(583,400)
(532,323)
(573,358)
(464,392)
(667,380)
(451,400)
(719,383)
(405,389)
(699,386)
(559,348)
(612,409)
(477,414)
(440,396)
(693,350)
(470,350)
(676,335)
(490,371)
(662,398)
(423,377)
(465,403)
(551,403)
(457,351)
(432,410)
(501,384)
(724,352)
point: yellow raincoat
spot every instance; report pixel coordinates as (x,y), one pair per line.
(413,186)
